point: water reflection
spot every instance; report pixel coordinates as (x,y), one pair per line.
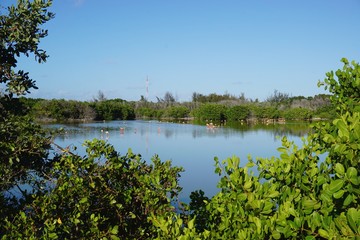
(169,130)
(191,146)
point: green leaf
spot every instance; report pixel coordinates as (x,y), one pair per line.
(349,198)
(353,217)
(221,209)
(247,185)
(351,172)
(323,233)
(343,131)
(273,194)
(355,180)
(336,185)
(258,224)
(276,235)
(53,236)
(114,230)
(297,222)
(338,194)
(309,204)
(191,223)
(339,169)
(320,180)
(267,208)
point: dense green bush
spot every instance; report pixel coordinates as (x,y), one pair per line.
(114,109)
(118,109)
(103,195)
(211,112)
(63,110)
(23,144)
(265,112)
(237,113)
(297,114)
(212,97)
(325,112)
(176,112)
(146,112)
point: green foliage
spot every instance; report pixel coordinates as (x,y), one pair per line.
(97,196)
(237,113)
(198,209)
(146,112)
(210,111)
(70,110)
(212,98)
(23,144)
(297,113)
(345,87)
(118,109)
(62,110)
(176,112)
(265,112)
(114,109)
(326,112)
(20,33)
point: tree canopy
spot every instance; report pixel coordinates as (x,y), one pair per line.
(24,145)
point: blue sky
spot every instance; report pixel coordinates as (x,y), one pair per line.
(186,46)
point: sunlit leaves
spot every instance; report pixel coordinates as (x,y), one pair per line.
(105,194)
(20,34)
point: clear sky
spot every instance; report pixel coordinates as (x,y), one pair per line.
(186,46)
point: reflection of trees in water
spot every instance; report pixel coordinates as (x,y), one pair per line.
(168,132)
(240,129)
(277,129)
(72,133)
(196,133)
(226,130)
(216,132)
(143,131)
(291,131)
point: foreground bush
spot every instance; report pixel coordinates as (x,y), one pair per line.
(102,195)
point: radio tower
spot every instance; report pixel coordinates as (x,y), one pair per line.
(147,88)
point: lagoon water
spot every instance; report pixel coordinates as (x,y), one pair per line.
(188,145)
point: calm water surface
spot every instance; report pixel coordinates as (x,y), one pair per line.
(191,146)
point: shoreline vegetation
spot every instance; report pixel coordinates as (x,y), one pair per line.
(278,108)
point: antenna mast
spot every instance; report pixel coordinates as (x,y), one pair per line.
(147,87)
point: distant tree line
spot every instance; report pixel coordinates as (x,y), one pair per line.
(212,107)
(71,110)
(213,97)
(228,107)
